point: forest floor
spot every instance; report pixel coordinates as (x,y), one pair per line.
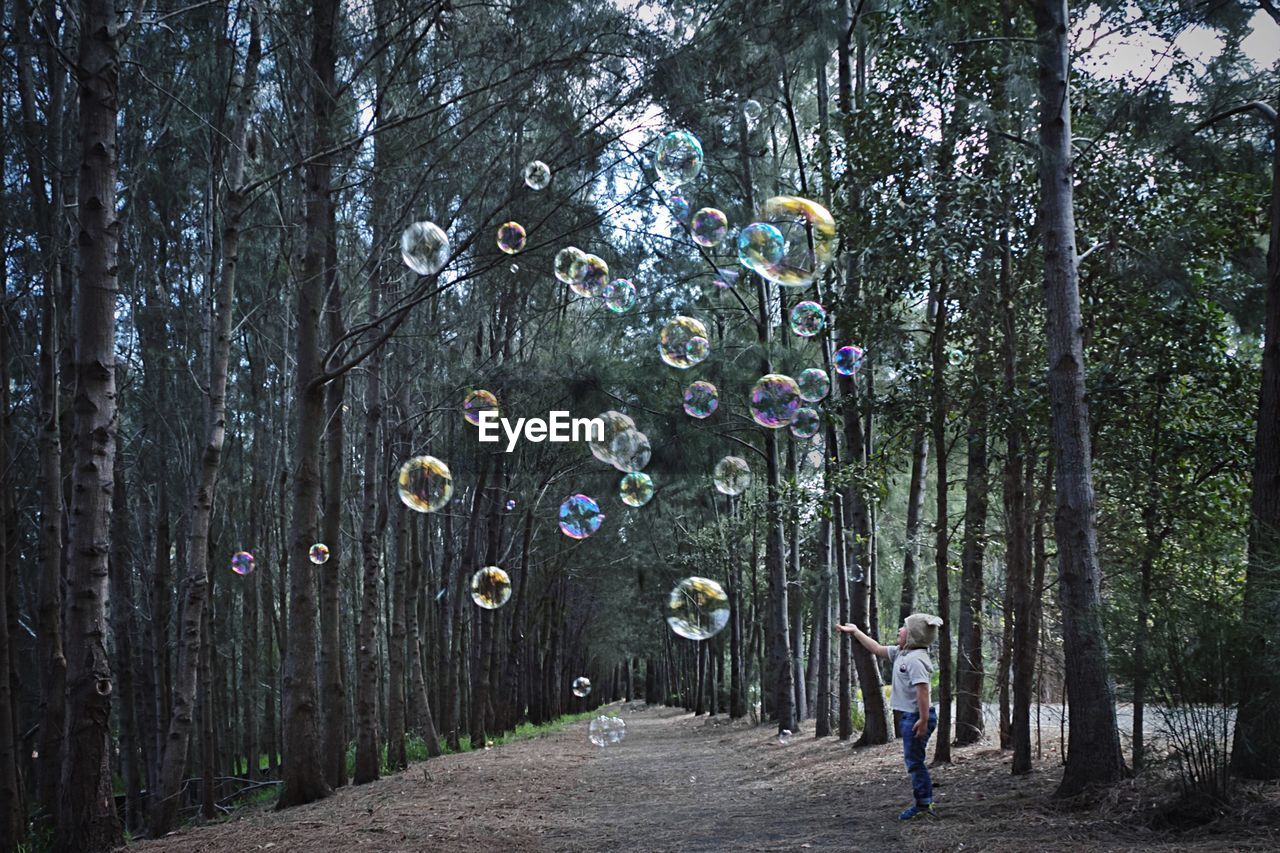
(679,782)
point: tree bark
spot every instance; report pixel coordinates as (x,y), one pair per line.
(915,510)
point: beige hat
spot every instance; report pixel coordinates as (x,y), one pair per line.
(922,630)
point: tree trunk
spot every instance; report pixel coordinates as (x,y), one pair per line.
(12,808)
(333,751)
(915,509)
(1093,754)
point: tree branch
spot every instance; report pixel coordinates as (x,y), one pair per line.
(1266,109)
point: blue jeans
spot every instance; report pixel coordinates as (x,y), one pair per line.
(913,753)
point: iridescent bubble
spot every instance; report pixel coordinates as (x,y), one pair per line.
(619,295)
(760,246)
(751,111)
(701,399)
(806,423)
(708,227)
(515,268)
(476,402)
(679,207)
(809,239)
(814,384)
(580,516)
(807,319)
(673,341)
(678,159)
(607,731)
(566,258)
(511,237)
(697,349)
(697,608)
(614,423)
(955,357)
(581,686)
(511,504)
(732,475)
(630,450)
(424,248)
(319,553)
(774,400)
(537,175)
(590,275)
(242,563)
(848,360)
(425,484)
(490,588)
(636,489)
(726,278)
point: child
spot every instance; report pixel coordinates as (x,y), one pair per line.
(910,695)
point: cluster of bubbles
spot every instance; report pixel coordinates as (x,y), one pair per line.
(242,563)
(511,237)
(708,227)
(582,687)
(476,402)
(682,343)
(425,484)
(511,504)
(701,399)
(791,242)
(580,516)
(848,360)
(537,175)
(774,400)
(807,319)
(678,158)
(606,731)
(490,588)
(697,608)
(424,248)
(319,553)
(732,475)
(636,489)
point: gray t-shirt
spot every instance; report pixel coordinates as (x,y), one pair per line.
(910,668)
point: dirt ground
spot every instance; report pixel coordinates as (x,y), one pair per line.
(679,782)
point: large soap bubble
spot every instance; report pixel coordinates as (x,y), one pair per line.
(636,489)
(708,227)
(760,247)
(425,484)
(614,423)
(774,400)
(607,731)
(678,159)
(806,423)
(490,588)
(807,319)
(630,450)
(619,295)
(580,516)
(809,235)
(814,384)
(673,341)
(319,553)
(476,402)
(848,360)
(565,261)
(424,248)
(697,349)
(590,275)
(537,175)
(511,237)
(701,399)
(581,686)
(732,475)
(242,563)
(697,608)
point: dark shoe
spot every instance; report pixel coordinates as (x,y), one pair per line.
(917,811)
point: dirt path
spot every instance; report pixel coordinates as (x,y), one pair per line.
(687,783)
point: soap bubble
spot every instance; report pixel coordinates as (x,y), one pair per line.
(679,207)
(848,360)
(701,399)
(732,475)
(590,275)
(807,319)
(476,402)
(424,248)
(490,588)
(708,227)
(580,516)
(726,278)
(806,423)
(581,686)
(511,237)
(751,111)
(697,349)
(537,175)
(697,608)
(630,450)
(678,159)
(636,489)
(760,246)
(515,268)
(614,423)
(242,563)
(511,504)
(425,484)
(619,295)
(607,731)
(955,357)
(566,258)
(814,384)
(784,736)
(809,239)
(673,341)
(774,400)
(319,553)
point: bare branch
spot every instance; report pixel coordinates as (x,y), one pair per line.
(1266,109)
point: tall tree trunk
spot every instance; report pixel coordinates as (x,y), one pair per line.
(333,751)
(1093,754)
(915,509)
(121,603)
(12,808)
